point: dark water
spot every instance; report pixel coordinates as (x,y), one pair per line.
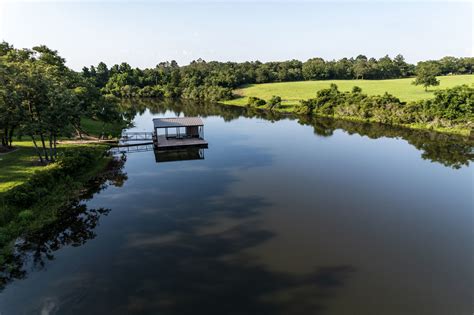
(280,217)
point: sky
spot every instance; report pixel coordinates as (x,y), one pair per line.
(144,33)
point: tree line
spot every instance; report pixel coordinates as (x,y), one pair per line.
(216,80)
(43,99)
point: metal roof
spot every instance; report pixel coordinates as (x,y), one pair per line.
(177,122)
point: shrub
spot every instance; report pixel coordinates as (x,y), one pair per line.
(71,162)
(275,101)
(255,101)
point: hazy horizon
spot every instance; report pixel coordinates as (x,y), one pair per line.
(146,33)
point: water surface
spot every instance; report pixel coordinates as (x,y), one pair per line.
(279,216)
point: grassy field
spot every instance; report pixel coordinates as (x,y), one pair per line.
(292,92)
(18,166)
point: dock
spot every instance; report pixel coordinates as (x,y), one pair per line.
(178,133)
(172,139)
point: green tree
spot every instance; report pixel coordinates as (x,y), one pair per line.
(426,72)
(315,69)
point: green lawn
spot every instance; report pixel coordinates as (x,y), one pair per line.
(18,166)
(292,92)
(96,127)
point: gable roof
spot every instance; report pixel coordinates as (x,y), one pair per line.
(177,122)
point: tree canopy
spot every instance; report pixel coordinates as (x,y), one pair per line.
(426,73)
(215,80)
(42,98)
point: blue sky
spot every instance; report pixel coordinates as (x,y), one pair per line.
(146,33)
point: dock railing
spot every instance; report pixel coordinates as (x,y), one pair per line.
(136,136)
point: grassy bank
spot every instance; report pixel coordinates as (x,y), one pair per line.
(33,200)
(19,165)
(293,92)
(97,128)
(449,111)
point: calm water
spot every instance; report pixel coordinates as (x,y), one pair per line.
(280,217)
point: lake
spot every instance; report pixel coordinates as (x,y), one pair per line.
(278,216)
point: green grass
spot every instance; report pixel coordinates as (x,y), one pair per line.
(95,127)
(18,166)
(293,92)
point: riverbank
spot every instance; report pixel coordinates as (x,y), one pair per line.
(19,163)
(32,198)
(449,111)
(290,110)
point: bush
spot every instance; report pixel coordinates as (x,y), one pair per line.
(275,101)
(451,107)
(71,162)
(255,101)
(151,91)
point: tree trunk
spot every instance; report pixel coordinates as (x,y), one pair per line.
(55,148)
(44,147)
(10,137)
(4,140)
(103,131)
(37,149)
(51,147)
(5,137)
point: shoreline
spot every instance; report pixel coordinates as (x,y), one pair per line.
(22,216)
(288,111)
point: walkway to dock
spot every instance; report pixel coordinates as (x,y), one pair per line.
(136,136)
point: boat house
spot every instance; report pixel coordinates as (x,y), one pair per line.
(178,133)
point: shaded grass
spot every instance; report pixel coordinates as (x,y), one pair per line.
(18,166)
(293,92)
(95,127)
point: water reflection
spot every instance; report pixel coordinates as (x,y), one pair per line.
(257,228)
(179,155)
(74,226)
(450,150)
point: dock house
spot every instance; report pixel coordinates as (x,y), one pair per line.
(178,133)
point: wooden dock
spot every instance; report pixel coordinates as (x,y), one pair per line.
(166,143)
(179,133)
(186,132)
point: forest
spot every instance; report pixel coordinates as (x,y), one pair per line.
(216,80)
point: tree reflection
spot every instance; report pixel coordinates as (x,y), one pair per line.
(450,150)
(74,226)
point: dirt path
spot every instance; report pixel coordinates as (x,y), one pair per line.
(86,141)
(5,153)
